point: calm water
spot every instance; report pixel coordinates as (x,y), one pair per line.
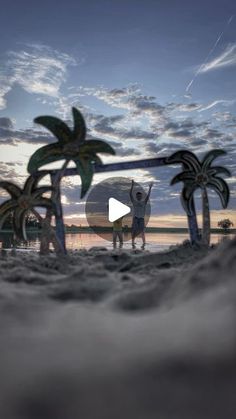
(155,241)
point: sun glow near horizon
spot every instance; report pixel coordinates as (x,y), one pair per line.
(164,221)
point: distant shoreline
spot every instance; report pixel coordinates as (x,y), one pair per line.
(88,230)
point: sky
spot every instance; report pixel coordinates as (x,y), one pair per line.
(150,77)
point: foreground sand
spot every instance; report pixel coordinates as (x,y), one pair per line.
(115,335)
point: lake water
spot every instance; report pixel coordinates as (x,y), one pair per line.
(155,241)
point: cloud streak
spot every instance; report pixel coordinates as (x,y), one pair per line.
(226,59)
(205,64)
(215,103)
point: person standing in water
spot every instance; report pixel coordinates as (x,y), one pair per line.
(139,209)
(118,232)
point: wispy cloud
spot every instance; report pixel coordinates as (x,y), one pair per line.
(226,59)
(131,100)
(5,87)
(8,171)
(142,127)
(215,103)
(226,118)
(38,69)
(199,107)
(11,136)
(207,61)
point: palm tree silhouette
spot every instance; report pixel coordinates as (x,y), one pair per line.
(24,200)
(71,146)
(200,174)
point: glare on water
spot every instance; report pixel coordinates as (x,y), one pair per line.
(155,241)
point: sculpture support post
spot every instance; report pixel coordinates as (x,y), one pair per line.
(193,225)
(56,196)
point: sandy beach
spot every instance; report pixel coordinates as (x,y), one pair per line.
(118,209)
(111,334)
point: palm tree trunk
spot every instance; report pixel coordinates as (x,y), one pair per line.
(48,235)
(60,229)
(45,233)
(206,224)
(193,226)
(56,197)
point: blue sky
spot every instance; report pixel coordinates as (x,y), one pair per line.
(127,65)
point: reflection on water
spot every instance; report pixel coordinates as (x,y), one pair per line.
(155,241)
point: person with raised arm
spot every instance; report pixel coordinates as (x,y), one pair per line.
(139,209)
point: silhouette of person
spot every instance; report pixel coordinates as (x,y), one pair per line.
(139,209)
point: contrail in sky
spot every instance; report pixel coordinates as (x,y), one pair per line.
(209,54)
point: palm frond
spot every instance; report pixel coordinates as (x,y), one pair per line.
(217,170)
(56,126)
(32,181)
(11,188)
(19,223)
(45,155)
(96,146)
(187,158)
(43,202)
(218,182)
(182,177)
(96,159)
(192,161)
(41,190)
(222,190)
(210,156)
(20,214)
(79,132)
(5,209)
(85,170)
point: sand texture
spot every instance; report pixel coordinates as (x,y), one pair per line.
(111,335)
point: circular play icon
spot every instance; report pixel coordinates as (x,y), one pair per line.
(110,207)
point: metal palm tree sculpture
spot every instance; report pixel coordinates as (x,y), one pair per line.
(200,174)
(24,200)
(71,146)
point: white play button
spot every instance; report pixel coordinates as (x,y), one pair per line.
(117,191)
(116,209)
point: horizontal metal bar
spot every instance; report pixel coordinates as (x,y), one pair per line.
(112,167)
(126,165)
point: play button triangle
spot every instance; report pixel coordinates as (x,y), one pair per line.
(116,209)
